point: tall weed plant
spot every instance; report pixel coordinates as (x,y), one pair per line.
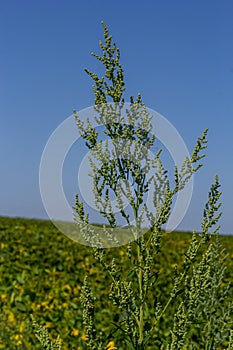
(196,314)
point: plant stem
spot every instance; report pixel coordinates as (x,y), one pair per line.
(140,282)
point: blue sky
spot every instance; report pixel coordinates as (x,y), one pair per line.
(177,54)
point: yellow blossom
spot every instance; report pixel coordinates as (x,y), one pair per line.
(68,287)
(92,271)
(75,332)
(54,271)
(48,324)
(11,317)
(75,290)
(21,327)
(111,345)
(3,297)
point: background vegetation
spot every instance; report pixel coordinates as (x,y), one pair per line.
(42,272)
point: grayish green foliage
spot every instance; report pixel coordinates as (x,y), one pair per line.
(199,321)
(43,337)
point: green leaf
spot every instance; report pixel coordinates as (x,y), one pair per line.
(129,345)
(131,273)
(20,306)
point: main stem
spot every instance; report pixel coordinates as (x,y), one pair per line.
(141,320)
(140,283)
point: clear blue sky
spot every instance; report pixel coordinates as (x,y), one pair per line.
(178,54)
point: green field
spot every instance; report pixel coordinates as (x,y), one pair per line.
(42,272)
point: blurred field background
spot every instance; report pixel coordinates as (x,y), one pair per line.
(42,272)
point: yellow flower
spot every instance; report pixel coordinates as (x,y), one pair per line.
(76,289)
(48,324)
(11,317)
(54,271)
(92,271)
(111,345)
(75,332)
(18,342)
(84,337)
(3,297)
(21,327)
(68,287)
